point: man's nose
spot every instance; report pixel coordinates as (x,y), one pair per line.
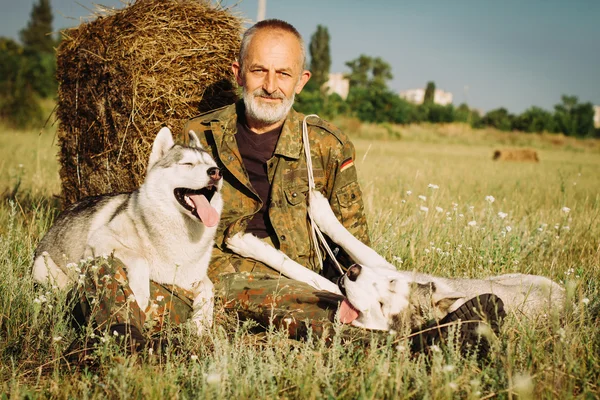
(269,84)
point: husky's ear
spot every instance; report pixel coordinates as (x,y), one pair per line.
(162,143)
(194,141)
(442,301)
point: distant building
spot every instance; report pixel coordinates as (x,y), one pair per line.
(597,117)
(417,96)
(338,84)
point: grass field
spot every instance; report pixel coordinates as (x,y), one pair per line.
(436,202)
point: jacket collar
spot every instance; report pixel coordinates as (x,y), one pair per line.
(290,140)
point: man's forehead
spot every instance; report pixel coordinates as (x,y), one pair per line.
(273,43)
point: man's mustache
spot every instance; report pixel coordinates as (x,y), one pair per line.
(263,93)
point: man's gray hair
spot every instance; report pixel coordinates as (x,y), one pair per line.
(273,24)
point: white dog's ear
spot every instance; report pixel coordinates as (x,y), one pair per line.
(194,141)
(442,301)
(162,143)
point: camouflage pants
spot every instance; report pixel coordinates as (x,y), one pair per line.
(105,299)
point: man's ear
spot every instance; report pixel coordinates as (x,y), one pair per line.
(237,72)
(304,77)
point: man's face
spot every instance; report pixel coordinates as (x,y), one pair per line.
(271,75)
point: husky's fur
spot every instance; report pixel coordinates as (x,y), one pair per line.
(163,232)
(385,297)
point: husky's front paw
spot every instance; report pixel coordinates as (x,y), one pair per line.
(203,306)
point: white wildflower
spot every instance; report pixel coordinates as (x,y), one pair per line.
(57,338)
(427,251)
(508,228)
(422,197)
(453,385)
(193,357)
(472,223)
(461,215)
(213,378)
(585,301)
(432,186)
(502,215)
(160,298)
(424,209)
(403,201)
(408,192)
(565,210)
(490,199)
(397,259)
(435,348)
(448,368)
(439,209)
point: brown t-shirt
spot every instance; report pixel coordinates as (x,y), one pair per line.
(256,150)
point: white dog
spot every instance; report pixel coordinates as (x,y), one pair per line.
(163,232)
(386,297)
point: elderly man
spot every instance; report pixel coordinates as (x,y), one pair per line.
(257,143)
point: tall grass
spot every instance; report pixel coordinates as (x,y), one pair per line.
(435,203)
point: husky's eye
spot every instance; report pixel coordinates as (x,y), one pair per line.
(187,164)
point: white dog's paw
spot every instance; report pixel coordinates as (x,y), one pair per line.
(238,243)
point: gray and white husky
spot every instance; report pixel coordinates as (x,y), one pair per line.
(163,231)
(385,298)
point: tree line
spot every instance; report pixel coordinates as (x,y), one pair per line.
(28,69)
(370,100)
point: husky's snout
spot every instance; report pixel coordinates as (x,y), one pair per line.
(214,173)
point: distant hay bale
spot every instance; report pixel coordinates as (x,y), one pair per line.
(127,73)
(516,155)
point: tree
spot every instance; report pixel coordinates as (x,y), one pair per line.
(360,69)
(535,119)
(574,119)
(37,35)
(429,93)
(381,73)
(498,118)
(320,57)
(18,105)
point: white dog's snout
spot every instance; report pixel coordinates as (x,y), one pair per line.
(354,272)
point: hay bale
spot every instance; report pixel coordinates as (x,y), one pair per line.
(127,73)
(516,155)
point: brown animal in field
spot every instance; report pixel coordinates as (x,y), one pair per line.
(516,155)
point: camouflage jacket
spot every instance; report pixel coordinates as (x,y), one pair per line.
(334,173)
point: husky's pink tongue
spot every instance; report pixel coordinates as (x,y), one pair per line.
(347,312)
(207,213)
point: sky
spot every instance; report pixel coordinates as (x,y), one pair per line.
(487,53)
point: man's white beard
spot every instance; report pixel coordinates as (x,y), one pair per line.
(264,112)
